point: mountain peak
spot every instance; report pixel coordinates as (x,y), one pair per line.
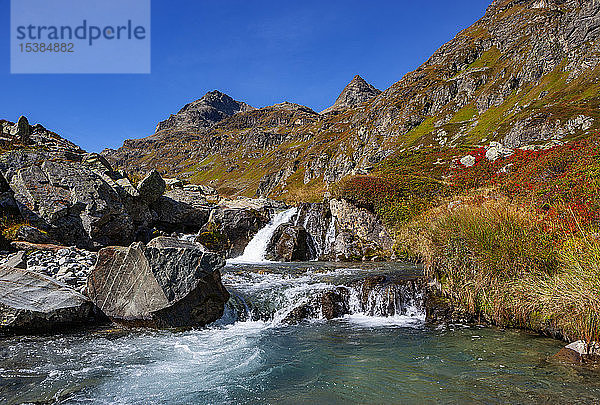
(213,107)
(355,93)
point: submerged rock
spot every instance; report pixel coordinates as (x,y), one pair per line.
(32,303)
(167,283)
(334,304)
(579,352)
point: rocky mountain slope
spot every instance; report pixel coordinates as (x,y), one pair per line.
(524,74)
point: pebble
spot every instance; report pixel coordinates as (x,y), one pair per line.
(70,266)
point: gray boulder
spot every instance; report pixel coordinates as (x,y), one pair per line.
(152,187)
(229,230)
(33,303)
(167,283)
(290,243)
(73,203)
(181,211)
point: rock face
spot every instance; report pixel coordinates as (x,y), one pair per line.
(31,303)
(211,108)
(167,283)
(358,91)
(290,243)
(360,232)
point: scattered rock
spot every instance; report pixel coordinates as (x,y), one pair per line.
(497,151)
(468,161)
(168,283)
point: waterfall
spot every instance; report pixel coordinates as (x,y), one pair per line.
(279,297)
(257,248)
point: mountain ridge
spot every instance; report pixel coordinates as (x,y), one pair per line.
(524,75)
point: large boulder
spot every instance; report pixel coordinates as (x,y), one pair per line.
(229,230)
(34,303)
(181,211)
(73,203)
(167,283)
(359,233)
(290,243)
(151,187)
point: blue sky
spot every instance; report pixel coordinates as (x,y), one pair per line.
(261,52)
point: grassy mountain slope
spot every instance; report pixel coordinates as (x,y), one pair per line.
(524,74)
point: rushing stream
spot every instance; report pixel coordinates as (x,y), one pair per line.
(302,333)
(378,353)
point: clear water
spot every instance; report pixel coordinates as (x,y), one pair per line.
(259,360)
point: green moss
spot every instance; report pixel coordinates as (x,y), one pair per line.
(214,240)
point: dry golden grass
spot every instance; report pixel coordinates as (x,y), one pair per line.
(503,262)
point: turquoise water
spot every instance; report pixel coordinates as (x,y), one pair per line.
(355,359)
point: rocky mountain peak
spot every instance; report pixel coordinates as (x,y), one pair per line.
(355,93)
(213,107)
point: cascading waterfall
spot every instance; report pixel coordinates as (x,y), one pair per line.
(280,297)
(257,248)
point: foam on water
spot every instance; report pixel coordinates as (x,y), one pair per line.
(359,358)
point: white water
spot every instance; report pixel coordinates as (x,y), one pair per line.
(272,296)
(257,248)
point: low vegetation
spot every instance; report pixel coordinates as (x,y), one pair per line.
(514,242)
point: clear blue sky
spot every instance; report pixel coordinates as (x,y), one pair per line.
(261,52)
